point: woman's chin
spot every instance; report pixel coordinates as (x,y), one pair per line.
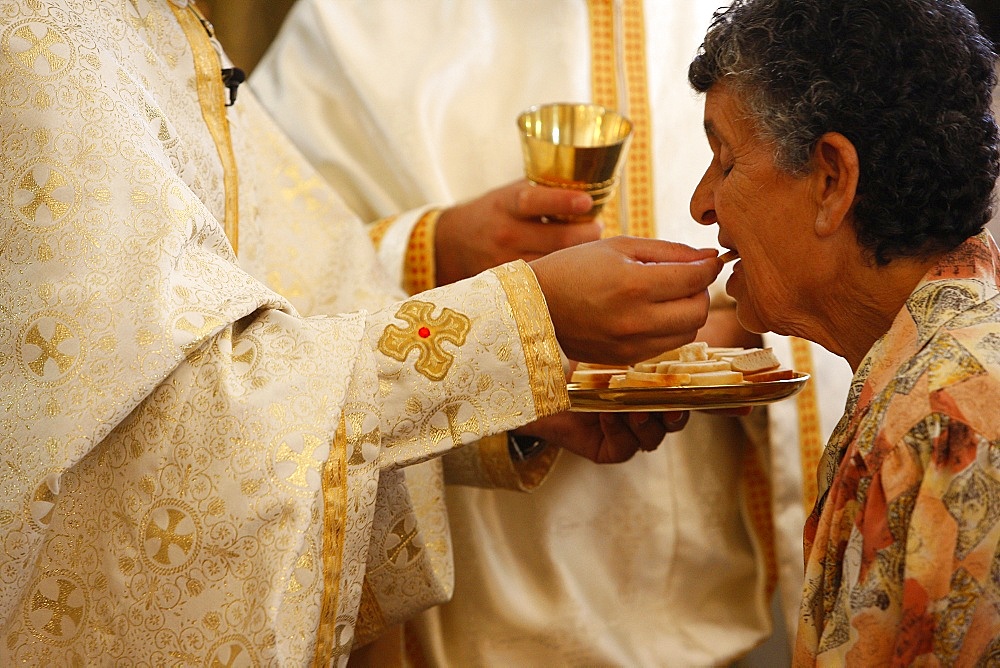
(746,311)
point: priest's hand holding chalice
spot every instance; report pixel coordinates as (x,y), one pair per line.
(576,146)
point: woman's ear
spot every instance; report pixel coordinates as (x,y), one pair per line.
(836,170)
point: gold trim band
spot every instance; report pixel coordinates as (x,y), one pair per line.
(212,96)
(810,441)
(334,523)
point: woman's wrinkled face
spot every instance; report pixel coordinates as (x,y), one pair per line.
(763,213)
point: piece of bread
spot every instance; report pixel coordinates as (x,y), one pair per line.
(694,364)
(594,375)
(717,378)
(767,376)
(647,367)
(717,353)
(643,379)
(617,381)
(754,360)
(673,354)
(694,367)
(693,352)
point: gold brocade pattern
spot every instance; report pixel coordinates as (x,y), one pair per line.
(371,621)
(426,334)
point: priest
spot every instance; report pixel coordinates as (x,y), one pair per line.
(215,404)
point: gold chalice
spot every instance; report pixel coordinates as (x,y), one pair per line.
(579,146)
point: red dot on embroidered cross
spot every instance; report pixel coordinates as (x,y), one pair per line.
(423,332)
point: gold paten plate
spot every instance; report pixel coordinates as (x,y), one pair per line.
(686,398)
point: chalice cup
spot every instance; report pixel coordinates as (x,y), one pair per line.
(578,146)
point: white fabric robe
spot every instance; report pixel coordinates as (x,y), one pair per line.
(193,471)
(405,104)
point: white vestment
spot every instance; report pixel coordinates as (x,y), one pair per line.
(654,562)
(195,472)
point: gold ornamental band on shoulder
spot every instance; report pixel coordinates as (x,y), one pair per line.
(426,334)
(213,96)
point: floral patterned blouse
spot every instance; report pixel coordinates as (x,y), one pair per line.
(903,547)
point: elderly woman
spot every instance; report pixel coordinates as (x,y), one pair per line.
(854,158)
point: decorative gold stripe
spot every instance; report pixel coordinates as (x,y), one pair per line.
(758,499)
(541,349)
(810,439)
(638,181)
(604,86)
(494,458)
(371,621)
(378,229)
(630,96)
(334,522)
(212,96)
(419,268)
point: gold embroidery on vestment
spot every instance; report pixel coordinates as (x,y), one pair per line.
(425,334)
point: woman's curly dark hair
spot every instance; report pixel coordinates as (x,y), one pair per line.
(908,82)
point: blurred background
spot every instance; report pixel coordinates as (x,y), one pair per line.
(245,28)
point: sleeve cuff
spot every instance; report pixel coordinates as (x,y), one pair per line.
(542,353)
(488,464)
(404,244)
(419,268)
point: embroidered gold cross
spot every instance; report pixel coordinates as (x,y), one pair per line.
(59,607)
(43,195)
(304,461)
(40,47)
(235,651)
(168,536)
(359,437)
(50,349)
(406,544)
(426,335)
(138,21)
(455,428)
